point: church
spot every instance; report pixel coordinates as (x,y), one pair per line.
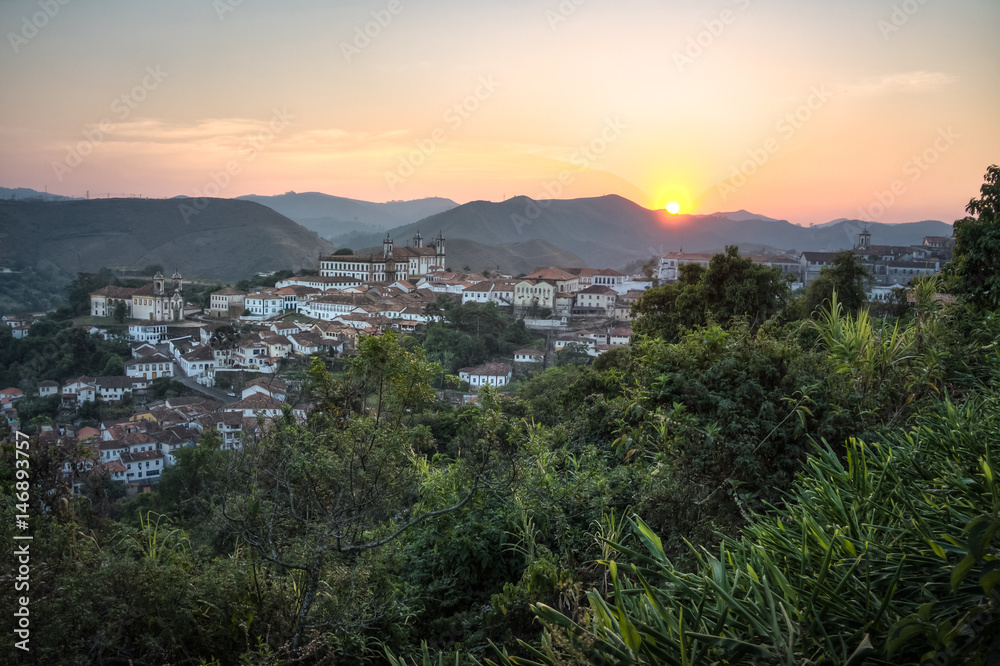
(156,301)
(402,263)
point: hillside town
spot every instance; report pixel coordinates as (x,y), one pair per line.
(245,339)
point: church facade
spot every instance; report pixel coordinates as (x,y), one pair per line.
(402,263)
(159,300)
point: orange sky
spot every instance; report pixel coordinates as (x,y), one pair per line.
(806,111)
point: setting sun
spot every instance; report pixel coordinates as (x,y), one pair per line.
(673,207)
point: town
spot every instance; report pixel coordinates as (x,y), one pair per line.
(233,356)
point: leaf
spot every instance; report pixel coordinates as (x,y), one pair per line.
(961,571)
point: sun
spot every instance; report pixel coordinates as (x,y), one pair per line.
(673,207)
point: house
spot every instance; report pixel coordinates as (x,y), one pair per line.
(528,356)
(12,393)
(563,281)
(47,388)
(265,303)
(150,366)
(199,363)
(274,387)
(320,283)
(488,374)
(619,336)
(229,425)
(306,343)
(78,391)
(113,388)
(86,433)
(534,293)
(226,302)
(254,405)
(149,333)
(596,300)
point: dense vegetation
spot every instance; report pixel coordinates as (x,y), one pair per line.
(757,479)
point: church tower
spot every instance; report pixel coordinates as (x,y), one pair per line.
(158,286)
(178,282)
(439,245)
(387,247)
(865,240)
(418,240)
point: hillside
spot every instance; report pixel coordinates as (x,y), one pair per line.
(512,258)
(228,240)
(331,216)
(611,230)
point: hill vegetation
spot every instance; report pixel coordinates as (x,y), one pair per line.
(225,240)
(331,216)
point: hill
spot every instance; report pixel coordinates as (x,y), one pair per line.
(22,193)
(611,230)
(511,258)
(228,240)
(331,216)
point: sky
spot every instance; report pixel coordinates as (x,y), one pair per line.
(883,110)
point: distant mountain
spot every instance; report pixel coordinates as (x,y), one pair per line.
(331,216)
(26,193)
(228,240)
(612,231)
(510,258)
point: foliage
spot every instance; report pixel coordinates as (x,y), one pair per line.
(888,557)
(975,266)
(52,350)
(734,286)
(847,277)
(574,353)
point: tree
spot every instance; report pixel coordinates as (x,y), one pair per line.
(309,497)
(975,267)
(734,286)
(846,276)
(114,367)
(343,251)
(574,353)
(663,312)
(120,313)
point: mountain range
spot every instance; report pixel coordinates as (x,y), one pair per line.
(612,231)
(234,238)
(331,216)
(227,240)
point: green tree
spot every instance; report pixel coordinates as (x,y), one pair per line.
(663,312)
(120,313)
(574,353)
(846,276)
(308,497)
(114,367)
(734,286)
(343,251)
(975,267)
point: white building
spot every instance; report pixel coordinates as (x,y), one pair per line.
(488,374)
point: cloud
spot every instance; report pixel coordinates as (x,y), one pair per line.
(902,82)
